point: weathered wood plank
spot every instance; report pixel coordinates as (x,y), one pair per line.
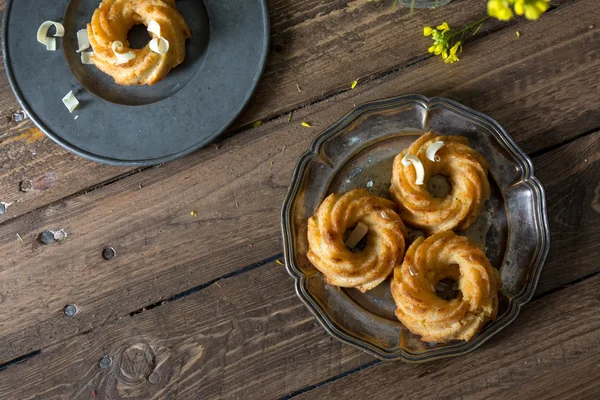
(573,209)
(311,40)
(237,193)
(551,351)
(227,341)
(249,336)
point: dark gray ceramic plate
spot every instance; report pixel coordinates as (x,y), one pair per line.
(357,152)
(144,125)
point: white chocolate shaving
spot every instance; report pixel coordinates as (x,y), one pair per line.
(83,41)
(70,101)
(42,34)
(357,234)
(431,151)
(159,45)
(86,57)
(122,58)
(154,27)
(414,160)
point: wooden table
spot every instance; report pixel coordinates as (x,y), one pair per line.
(198,306)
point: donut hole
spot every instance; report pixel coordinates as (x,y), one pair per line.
(447,289)
(362,243)
(439,185)
(138,36)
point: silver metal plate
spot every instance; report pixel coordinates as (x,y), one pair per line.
(357,152)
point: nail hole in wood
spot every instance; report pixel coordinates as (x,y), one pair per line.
(19,116)
(105,362)
(46,237)
(26,185)
(109,253)
(70,310)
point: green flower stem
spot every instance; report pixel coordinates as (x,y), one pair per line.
(470,26)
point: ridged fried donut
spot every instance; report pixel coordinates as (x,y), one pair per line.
(112,21)
(427,261)
(385,239)
(465,168)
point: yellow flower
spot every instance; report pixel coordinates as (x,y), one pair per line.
(533,9)
(438,49)
(452,57)
(431,49)
(444,27)
(500,9)
(427,31)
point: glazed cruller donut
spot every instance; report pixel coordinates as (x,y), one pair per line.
(427,261)
(111,23)
(385,239)
(467,172)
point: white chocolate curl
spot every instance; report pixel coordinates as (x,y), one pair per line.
(414,160)
(431,151)
(70,101)
(86,57)
(357,234)
(42,33)
(83,41)
(122,58)
(159,45)
(154,27)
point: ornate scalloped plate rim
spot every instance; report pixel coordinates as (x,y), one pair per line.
(527,178)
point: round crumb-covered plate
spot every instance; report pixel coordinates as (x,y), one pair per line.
(357,152)
(137,125)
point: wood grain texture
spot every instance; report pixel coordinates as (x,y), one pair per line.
(573,208)
(250,337)
(239,337)
(237,190)
(551,351)
(311,41)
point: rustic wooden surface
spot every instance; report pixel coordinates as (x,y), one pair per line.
(233,327)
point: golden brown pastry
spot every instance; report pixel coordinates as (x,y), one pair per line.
(385,239)
(465,168)
(427,261)
(112,21)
